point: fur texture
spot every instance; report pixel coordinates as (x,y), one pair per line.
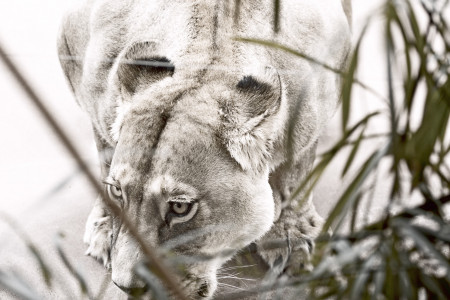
(186,117)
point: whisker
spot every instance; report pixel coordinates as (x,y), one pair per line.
(242,282)
(236,267)
(232,276)
(230,286)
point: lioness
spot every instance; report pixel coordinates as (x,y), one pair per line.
(202,138)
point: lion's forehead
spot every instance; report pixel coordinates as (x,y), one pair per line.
(193,27)
(167,187)
(184,145)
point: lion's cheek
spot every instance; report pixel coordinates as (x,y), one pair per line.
(242,223)
(259,214)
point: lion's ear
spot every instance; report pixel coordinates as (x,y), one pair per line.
(140,65)
(250,121)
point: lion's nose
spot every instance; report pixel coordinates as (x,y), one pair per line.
(133,291)
(203,290)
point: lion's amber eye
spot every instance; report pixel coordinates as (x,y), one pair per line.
(180,208)
(181,211)
(114,192)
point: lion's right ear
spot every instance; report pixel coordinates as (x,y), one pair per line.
(140,65)
(251,120)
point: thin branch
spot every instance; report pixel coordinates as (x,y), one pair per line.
(149,252)
(310,59)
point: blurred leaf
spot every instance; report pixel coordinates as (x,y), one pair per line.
(419,40)
(156,287)
(276,15)
(237,10)
(411,82)
(327,157)
(391,283)
(379,281)
(433,287)
(43,266)
(103,287)
(16,285)
(354,212)
(353,152)
(293,120)
(423,141)
(73,271)
(362,277)
(45,271)
(441,235)
(309,58)
(349,79)
(351,192)
(60,185)
(275,45)
(422,243)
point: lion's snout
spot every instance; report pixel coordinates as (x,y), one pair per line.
(134,291)
(129,282)
(198,280)
(200,287)
(194,287)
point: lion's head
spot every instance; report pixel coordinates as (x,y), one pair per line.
(190,167)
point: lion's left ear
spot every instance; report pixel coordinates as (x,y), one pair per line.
(250,121)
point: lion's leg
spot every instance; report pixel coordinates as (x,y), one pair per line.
(296,226)
(97,234)
(98,228)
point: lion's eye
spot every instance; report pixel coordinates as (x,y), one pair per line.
(180,212)
(180,208)
(114,192)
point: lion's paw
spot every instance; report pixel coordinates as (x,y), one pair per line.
(98,236)
(288,246)
(288,256)
(96,214)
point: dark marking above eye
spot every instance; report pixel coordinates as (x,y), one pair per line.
(249,83)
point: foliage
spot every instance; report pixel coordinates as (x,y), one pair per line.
(404,256)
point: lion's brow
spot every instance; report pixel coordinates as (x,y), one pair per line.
(181,199)
(111,181)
